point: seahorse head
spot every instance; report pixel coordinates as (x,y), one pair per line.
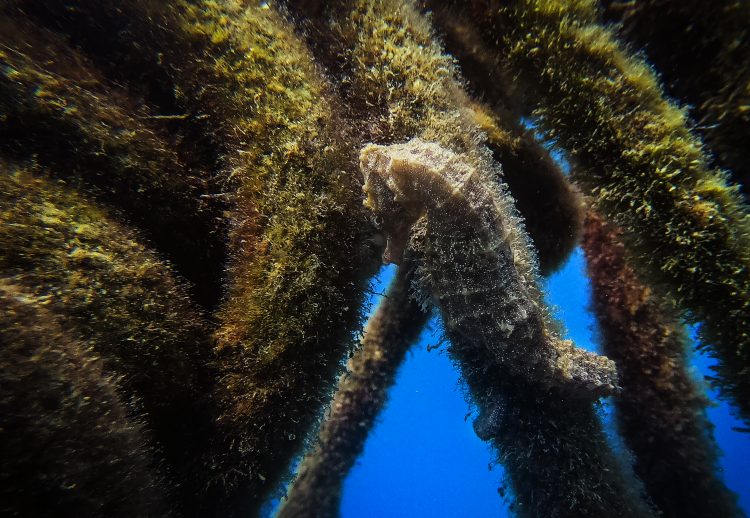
(393,214)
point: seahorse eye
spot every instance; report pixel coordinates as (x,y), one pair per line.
(378,220)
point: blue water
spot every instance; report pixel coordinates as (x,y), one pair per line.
(423,459)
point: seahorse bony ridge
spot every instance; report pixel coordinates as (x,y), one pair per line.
(469,262)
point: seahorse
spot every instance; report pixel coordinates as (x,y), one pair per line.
(475,263)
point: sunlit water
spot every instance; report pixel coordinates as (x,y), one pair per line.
(423,458)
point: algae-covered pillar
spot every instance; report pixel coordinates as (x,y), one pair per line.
(70,442)
(137,323)
(241,80)
(360,397)
(101,139)
(660,411)
(701,52)
(400,82)
(542,193)
(638,160)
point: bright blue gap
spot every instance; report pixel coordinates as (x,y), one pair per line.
(569,290)
(734,446)
(423,458)
(568,293)
(555,152)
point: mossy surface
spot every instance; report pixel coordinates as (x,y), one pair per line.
(203,137)
(401,82)
(70,443)
(556,455)
(701,52)
(685,225)
(360,397)
(396,78)
(661,409)
(58,109)
(554,450)
(551,206)
(120,296)
(549,203)
(298,265)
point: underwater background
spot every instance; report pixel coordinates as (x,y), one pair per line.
(319,258)
(407,472)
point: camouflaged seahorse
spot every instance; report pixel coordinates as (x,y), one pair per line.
(474,261)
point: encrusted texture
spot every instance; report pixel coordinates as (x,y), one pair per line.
(637,158)
(298,264)
(66,433)
(551,445)
(701,52)
(60,246)
(661,410)
(551,206)
(181,214)
(361,395)
(469,265)
(58,109)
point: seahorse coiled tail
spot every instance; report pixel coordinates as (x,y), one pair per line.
(470,266)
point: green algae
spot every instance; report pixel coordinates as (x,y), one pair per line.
(701,53)
(214,114)
(58,245)
(661,410)
(68,433)
(58,109)
(296,223)
(687,228)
